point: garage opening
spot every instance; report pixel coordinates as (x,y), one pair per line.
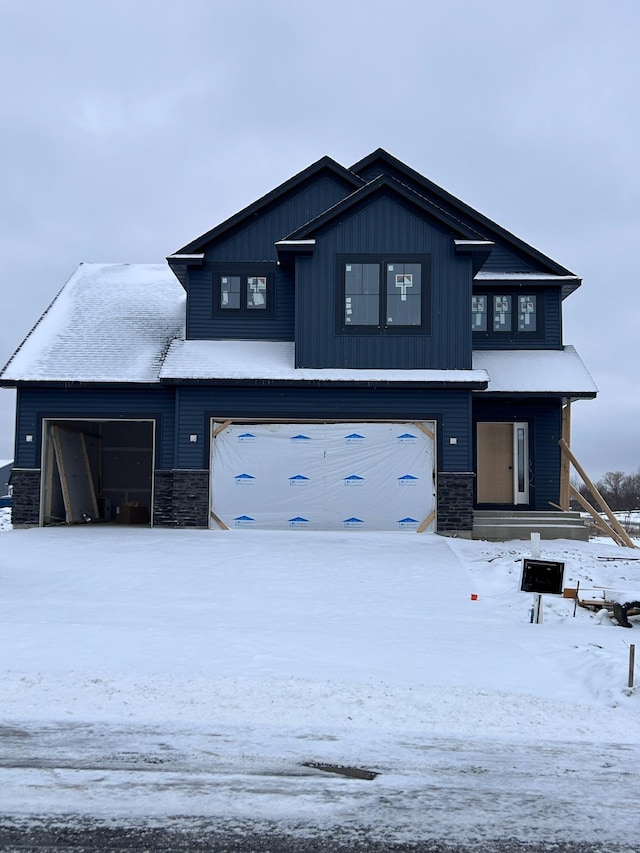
(323,476)
(97,471)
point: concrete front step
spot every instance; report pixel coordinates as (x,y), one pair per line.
(499,526)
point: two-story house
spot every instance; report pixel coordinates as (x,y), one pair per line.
(357,349)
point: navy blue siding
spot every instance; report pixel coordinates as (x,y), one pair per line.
(502,259)
(545,429)
(35,404)
(550,330)
(254,241)
(203,324)
(451,409)
(384,226)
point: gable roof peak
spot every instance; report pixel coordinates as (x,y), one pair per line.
(324,163)
(476,220)
(378,154)
(380,184)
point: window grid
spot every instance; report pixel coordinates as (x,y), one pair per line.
(241,293)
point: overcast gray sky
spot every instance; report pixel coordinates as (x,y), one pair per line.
(129,128)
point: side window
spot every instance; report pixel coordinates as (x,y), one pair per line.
(505,313)
(501,314)
(527,314)
(479,313)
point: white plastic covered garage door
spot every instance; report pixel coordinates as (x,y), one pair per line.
(323,476)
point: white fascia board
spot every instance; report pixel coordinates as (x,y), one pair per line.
(198,257)
(523,276)
(487,243)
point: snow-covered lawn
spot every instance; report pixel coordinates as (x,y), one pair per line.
(232,658)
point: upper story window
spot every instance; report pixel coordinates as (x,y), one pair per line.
(238,292)
(504,313)
(479,313)
(527,313)
(383,294)
(238,289)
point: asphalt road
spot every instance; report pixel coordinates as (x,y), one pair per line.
(85,838)
(96,787)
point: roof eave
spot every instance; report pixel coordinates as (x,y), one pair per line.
(477,250)
(287,248)
(569,283)
(180,263)
(79,383)
(471,385)
(565,395)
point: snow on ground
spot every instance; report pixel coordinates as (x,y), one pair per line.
(220,662)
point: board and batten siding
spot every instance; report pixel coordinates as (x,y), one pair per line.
(451,409)
(544,417)
(385,226)
(254,239)
(34,404)
(502,259)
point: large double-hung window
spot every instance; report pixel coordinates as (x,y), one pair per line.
(381,294)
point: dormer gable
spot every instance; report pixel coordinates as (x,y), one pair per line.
(467,241)
(511,254)
(391,185)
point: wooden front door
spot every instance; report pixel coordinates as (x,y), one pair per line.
(503,463)
(495,463)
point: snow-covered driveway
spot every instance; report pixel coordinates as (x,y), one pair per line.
(156,675)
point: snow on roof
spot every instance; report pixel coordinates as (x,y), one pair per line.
(125,323)
(275,360)
(109,323)
(536,371)
(5,462)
